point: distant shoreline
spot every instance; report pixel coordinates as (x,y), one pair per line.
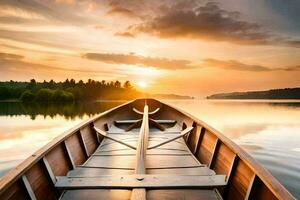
(274,94)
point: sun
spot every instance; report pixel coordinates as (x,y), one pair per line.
(142,84)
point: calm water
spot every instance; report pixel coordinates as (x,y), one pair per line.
(268,130)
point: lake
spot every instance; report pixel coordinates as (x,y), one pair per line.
(268,130)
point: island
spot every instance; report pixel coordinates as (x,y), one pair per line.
(286,93)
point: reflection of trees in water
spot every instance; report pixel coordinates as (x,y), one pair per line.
(67,110)
(286,104)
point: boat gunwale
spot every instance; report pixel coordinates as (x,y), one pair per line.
(265,176)
(15,173)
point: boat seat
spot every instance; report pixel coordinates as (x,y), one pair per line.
(98,172)
(148,181)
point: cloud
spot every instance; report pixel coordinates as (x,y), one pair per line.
(37,11)
(292,68)
(239,66)
(132,59)
(118,10)
(125,34)
(10,56)
(209,22)
(10,61)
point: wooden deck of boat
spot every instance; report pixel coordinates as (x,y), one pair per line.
(113,158)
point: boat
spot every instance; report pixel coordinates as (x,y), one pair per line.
(143,149)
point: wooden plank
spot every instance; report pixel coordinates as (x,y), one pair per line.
(147,181)
(104,134)
(142,145)
(150,154)
(250,188)
(111,161)
(183,194)
(217,144)
(223,160)
(230,174)
(98,172)
(198,129)
(83,144)
(69,155)
(117,145)
(49,170)
(157,150)
(160,121)
(28,188)
(40,182)
(134,125)
(99,194)
(197,148)
(182,134)
(141,113)
(76,149)
(219,196)
(153,123)
(122,168)
(138,194)
(198,171)
(232,168)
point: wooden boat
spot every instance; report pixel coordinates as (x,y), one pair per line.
(144,149)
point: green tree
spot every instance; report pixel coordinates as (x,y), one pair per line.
(32,84)
(44,95)
(4,93)
(27,96)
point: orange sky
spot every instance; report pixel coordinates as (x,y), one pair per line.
(186,47)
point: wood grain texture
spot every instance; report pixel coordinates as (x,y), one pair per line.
(180,194)
(58,161)
(223,160)
(28,188)
(89,194)
(16,191)
(148,181)
(76,149)
(89,138)
(240,181)
(40,183)
(206,147)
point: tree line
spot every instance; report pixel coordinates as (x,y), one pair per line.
(66,91)
(286,93)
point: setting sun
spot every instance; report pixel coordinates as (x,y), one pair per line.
(142,84)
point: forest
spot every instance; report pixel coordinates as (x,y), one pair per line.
(287,93)
(66,91)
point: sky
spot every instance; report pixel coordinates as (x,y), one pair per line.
(188,47)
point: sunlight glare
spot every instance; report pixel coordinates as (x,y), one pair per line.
(142,84)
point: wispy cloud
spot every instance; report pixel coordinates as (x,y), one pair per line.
(125,34)
(10,56)
(239,66)
(132,59)
(17,63)
(118,10)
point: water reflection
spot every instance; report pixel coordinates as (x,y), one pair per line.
(24,128)
(67,110)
